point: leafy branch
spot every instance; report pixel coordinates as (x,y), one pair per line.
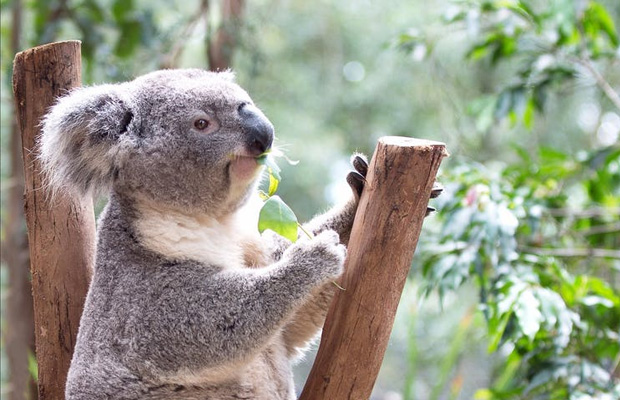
(559,329)
(572,252)
(602,83)
(275,214)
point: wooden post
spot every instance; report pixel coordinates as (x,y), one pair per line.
(61,234)
(384,236)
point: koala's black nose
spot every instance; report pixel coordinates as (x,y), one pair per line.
(257,128)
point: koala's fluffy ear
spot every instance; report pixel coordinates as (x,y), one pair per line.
(227,74)
(84,139)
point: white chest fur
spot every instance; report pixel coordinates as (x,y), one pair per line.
(219,242)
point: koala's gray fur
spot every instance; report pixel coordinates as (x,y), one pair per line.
(187,300)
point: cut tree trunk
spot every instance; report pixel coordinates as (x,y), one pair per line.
(61,231)
(383,239)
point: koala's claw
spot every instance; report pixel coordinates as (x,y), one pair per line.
(435,192)
(360,163)
(357,179)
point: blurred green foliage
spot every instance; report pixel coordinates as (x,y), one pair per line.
(550,42)
(540,236)
(522,258)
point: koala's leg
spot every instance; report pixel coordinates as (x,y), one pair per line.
(308,320)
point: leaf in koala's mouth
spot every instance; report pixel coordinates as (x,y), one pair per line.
(273,171)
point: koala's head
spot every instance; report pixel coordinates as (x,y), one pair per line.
(186,139)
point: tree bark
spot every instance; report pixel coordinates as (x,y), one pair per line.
(19,328)
(383,239)
(60,232)
(222,44)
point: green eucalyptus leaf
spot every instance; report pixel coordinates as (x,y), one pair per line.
(528,314)
(131,32)
(593,300)
(273,170)
(121,8)
(597,19)
(270,164)
(528,113)
(496,330)
(278,217)
(94,11)
(273,184)
(33,367)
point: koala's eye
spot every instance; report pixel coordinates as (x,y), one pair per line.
(201,124)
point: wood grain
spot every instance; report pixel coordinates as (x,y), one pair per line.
(61,232)
(384,236)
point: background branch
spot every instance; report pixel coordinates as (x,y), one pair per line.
(567,252)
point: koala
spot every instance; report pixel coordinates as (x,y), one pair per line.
(187,299)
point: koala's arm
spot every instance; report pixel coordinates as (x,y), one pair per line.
(243,310)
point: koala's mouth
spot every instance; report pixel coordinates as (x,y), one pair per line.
(243,167)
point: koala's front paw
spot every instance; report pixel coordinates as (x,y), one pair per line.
(323,255)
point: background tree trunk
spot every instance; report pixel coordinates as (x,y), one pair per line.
(19,328)
(383,239)
(61,233)
(222,43)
